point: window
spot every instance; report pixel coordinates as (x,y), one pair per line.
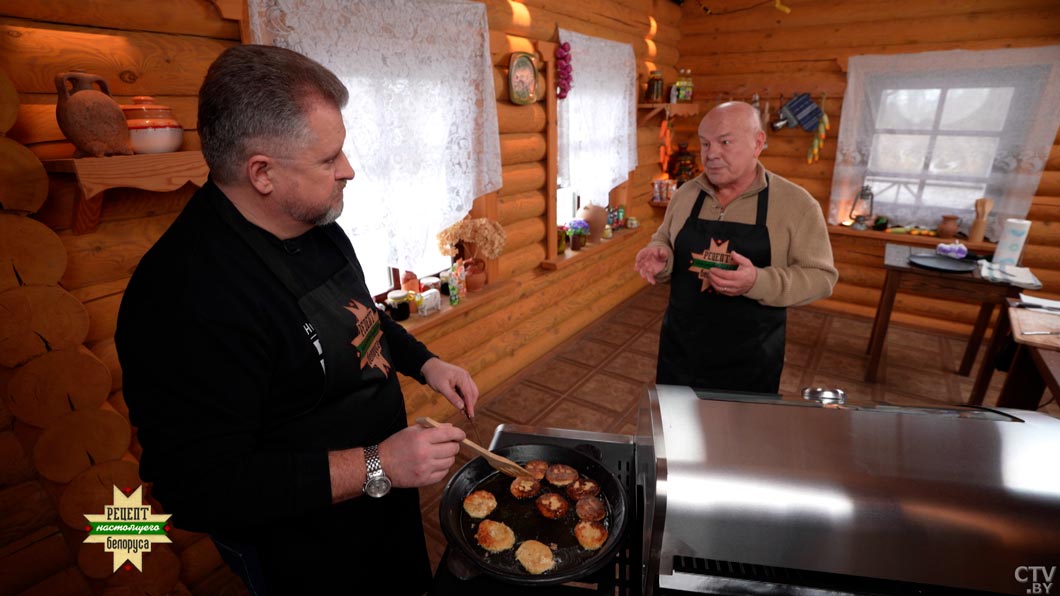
(931,133)
(597,122)
(421,123)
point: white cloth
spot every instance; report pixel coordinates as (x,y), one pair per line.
(932,132)
(421,123)
(597,122)
(1021,277)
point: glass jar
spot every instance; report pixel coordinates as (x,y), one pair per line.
(654,92)
(683,165)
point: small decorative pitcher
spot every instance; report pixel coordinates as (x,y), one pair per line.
(90,119)
(948,226)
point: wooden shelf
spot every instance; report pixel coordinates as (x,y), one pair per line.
(672,110)
(157,172)
(929,241)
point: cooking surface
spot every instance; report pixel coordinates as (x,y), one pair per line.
(594,382)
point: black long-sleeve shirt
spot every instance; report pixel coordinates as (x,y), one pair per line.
(215,357)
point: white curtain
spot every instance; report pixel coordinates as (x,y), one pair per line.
(930,133)
(421,123)
(597,122)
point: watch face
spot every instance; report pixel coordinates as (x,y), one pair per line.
(377,487)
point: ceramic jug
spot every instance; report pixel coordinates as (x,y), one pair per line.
(597,218)
(90,119)
(948,226)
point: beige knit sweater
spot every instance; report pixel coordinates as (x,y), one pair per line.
(802,270)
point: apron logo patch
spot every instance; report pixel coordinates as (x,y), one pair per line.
(369,332)
(717,255)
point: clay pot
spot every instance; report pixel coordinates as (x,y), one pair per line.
(948,226)
(90,119)
(596,216)
(577,241)
(152,127)
(476,275)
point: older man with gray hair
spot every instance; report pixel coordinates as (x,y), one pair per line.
(738,244)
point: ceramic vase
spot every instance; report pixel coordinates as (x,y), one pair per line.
(948,226)
(596,216)
(90,119)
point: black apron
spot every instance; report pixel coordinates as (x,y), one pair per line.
(711,341)
(347,547)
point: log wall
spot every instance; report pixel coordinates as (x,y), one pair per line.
(776,55)
(51,469)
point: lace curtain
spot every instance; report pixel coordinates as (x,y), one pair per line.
(597,122)
(421,123)
(930,133)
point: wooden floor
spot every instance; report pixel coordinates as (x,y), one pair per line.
(596,381)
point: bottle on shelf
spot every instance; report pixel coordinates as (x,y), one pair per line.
(654,92)
(684,86)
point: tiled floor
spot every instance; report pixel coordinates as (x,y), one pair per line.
(595,382)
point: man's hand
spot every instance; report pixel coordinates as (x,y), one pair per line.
(650,261)
(417,456)
(453,382)
(734,282)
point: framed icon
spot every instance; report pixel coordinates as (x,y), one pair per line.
(522,79)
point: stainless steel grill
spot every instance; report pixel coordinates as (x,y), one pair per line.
(746,494)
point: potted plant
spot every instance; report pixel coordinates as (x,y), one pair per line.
(578,231)
(473,240)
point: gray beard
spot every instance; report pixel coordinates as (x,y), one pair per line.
(329,217)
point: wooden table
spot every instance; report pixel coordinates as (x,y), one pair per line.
(1035,366)
(963,287)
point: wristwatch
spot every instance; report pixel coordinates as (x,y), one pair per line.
(376,484)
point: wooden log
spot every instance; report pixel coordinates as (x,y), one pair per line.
(188,17)
(56,383)
(519,261)
(522,177)
(117,401)
(38,319)
(198,561)
(90,491)
(8,103)
(80,440)
(30,253)
(103,290)
(1050,184)
(93,560)
(37,123)
(24,508)
(112,252)
(161,572)
(68,582)
(838,12)
(525,232)
(513,118)
(522,147)
(15,465)
(132,63)
(515,19)
(520,206)
(955,28)
(723,87)
(32,559)
(23,181)
(108,354)
(103,317)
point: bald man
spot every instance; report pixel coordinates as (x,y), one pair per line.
(738,245)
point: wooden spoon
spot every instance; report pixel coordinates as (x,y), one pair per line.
(501,464)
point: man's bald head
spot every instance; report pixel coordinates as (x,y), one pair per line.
(731,139)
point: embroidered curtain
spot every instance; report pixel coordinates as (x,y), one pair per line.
(597,122)
(421,123)
(930,133)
